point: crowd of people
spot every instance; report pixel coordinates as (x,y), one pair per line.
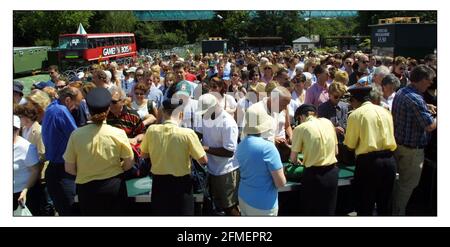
(241,116)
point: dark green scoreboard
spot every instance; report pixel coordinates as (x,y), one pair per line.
(404,39)
(29,59)
(211,46)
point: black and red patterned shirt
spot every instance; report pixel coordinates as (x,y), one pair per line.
(128,120)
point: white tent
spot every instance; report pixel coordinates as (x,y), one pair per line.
(81,29)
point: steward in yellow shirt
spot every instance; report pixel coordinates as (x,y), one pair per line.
(171,148)
(316,139)
(370,132)
(93,154)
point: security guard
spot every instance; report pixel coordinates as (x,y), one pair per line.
(94,153)
(370,132)
(316,139)
(170,148)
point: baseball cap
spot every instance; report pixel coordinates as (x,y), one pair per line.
(41,85)
(183,87)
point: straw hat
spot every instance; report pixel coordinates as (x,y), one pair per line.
(257,121)
(206,102)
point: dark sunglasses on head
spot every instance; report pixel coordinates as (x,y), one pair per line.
(115,101)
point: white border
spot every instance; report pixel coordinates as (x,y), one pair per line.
(6,77)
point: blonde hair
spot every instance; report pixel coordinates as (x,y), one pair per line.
(337,87)
(40,100)
(341,76)
(52,92)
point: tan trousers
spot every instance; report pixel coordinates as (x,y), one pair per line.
(247,210)
(409,168)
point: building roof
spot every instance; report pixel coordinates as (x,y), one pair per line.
(303,39)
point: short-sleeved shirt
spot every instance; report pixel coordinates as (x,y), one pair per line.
(411,117)
(96,150)
(129,121)
(316,139)
(370,128)
(25,156)
(34,136)
(57,126)
(316,95)
(257,159)
(222,132)
(170,148)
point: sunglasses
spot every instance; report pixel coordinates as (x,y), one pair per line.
(139,94)
(348,62)
(61,86)
(115,101)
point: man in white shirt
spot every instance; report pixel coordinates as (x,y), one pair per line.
(389,85)
(220,133)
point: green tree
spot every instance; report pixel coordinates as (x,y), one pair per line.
(146,34)
(115,21)
(285,24)
(30,26)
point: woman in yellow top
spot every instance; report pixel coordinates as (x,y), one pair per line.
(98,154)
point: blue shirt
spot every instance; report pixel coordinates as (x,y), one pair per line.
(57,126)
(156,95)
(411,117)
(50,83)
(257,159)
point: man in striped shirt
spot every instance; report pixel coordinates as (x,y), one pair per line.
(125,118)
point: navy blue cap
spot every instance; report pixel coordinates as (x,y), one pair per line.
(360,93)
(98,100)
(304,109)
(18,87)
(41,85)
